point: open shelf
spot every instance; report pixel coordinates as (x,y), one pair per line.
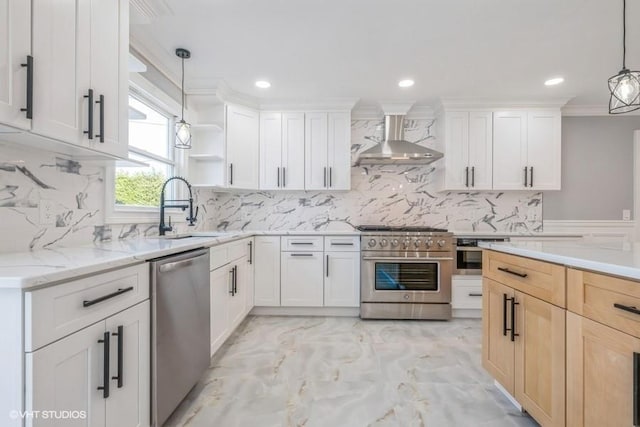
(205,157)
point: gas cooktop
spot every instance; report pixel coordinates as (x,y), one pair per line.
(401,228)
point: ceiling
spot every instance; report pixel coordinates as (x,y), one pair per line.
(324,49)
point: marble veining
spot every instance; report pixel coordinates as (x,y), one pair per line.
(300,371)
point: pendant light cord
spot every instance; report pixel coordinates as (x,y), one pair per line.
(182,117)
(624,34)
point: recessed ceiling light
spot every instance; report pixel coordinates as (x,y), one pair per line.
(406,83)
(263,84)
(554,81)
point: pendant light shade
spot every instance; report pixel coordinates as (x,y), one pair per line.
(183,129)
(624,86)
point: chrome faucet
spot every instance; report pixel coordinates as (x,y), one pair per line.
(191,218)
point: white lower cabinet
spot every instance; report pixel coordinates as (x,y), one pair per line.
(239,272)
(342,273)
(220,288)
(301,282)
(267,264)
(100,373)
(466,296)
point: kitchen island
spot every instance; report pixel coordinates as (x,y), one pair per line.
(561,329)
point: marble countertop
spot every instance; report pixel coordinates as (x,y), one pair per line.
(616,257)
(26,270)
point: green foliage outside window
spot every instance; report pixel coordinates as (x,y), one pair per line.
(138,188)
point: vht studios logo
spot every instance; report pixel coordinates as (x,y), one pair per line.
(49,415)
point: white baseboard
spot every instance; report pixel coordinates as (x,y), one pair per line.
(307,311)
(624,229)
(511,399)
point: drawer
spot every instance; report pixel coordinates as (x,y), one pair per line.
(342,243)
(218,256)
(596,296)
(466,293)
(238,249)
(540,279)
(302,243)
(54,312)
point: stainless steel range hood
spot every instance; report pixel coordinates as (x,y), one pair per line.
(394,149)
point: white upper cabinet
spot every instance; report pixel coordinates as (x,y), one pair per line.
(327,151)
(527,150)
(468,143)
(80,51)
(15,48)
(242,140)
(282,151)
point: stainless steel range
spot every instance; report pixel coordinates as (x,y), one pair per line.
(406,272)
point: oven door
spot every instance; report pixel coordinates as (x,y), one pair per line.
(418,280)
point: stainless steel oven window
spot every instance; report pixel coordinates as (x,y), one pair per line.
(403,276)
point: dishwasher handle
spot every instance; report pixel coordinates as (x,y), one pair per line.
(164,268)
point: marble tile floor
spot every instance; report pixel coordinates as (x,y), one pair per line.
(334,372)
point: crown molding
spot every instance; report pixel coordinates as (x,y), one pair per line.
(153,57)
(592,110)
(326,104)
(230,96)
(485,103)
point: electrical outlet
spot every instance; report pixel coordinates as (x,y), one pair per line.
(47,212)
(626,214)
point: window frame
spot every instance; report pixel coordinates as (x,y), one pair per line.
(149,94)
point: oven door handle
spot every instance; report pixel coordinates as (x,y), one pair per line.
(407,259)
(468,249)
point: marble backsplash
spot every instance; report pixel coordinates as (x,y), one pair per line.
(380,194)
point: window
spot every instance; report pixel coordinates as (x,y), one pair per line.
(150,141)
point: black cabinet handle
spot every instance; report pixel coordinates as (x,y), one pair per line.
(301,254)
(629,308)
(327,265)
(230,173)
(526,183)
(302,243)
(504,314)
(636,389)
(235,279)
(28,110)
(88,303)
(513,319)
(325,178)
(466,176)
(89,131)
(232,272)
(473,176)
(120,335)
(341,244)
(531,177)
(515,273)
(278,175)
(105,366)
(284,177)
(250,252)
(330,177)
(100,101)
(475,294)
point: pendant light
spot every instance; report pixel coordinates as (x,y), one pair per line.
(183,129)
(624,86)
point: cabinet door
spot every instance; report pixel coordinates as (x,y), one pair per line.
(109,73)
(601,379)
(220,288)
(15,46)
(509,149)
(457,151)
(497,347)
(302,279)
(129,401)
(267,267)
(238,301)
(316,151)
(339,151)
(65,376)
(243,147)
(293,151)
(481,150)
(540,359)
(61,33)
(342,279)
(270,151)
(544,149)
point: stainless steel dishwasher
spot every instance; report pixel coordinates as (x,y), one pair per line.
(179,328)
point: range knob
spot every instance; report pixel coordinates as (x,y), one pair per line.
(383,242)
(394,242)
(417,243)
(372,243)
(429,243)
(442,242)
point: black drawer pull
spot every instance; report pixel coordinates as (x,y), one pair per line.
(341,244)
(628,308)
(89,303)
(105,365)
(475,294)
(301,254)
(120,335)
(515,273)
(302,243)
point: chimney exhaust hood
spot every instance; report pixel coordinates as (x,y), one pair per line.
(394,149)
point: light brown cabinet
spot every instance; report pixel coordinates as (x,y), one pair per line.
(523,335)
